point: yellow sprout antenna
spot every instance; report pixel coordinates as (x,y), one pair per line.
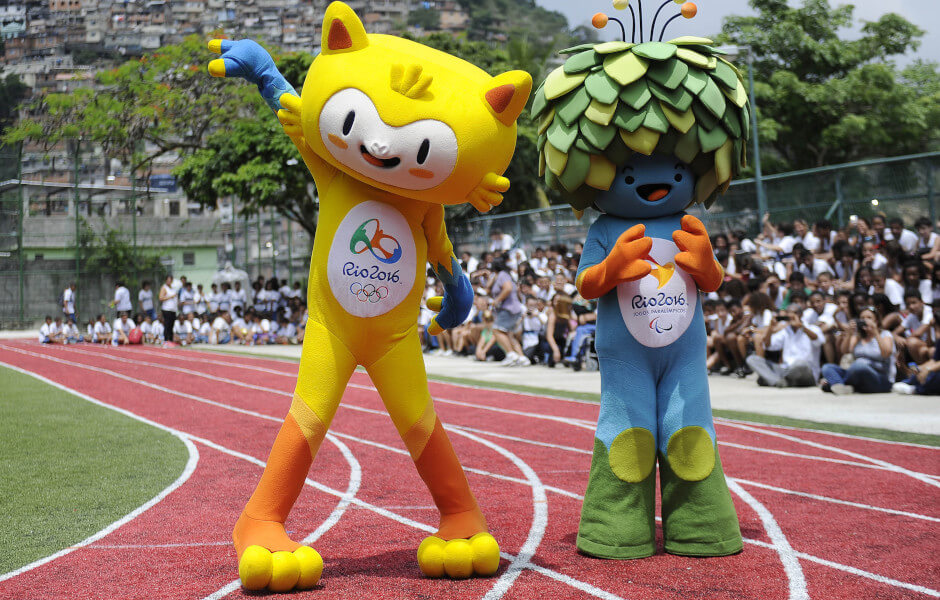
(410,81)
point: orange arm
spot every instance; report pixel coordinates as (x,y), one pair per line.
(624,263)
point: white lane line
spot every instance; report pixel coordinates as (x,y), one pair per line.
(380,412)
(890,466)
(224,406)
(826,432)
(779,542)
(153,546)
(359,503)
(859,572)
(539,518)
(383,413)
(837,501)
(352,488)
(183,477)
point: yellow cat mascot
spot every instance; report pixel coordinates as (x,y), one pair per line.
(391,131)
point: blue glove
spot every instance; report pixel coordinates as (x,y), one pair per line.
(453,307)
(248,60)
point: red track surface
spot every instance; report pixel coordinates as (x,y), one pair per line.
(824,516)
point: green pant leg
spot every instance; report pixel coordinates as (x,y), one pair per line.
(698,516)
(617,518)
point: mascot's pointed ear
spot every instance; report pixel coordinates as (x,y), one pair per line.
(506,95)
(342,30)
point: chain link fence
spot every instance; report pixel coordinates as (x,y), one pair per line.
(905,187)
(109,228)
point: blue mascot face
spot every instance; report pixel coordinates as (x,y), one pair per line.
(648,187)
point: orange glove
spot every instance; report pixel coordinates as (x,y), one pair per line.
(696,256)
(626,262)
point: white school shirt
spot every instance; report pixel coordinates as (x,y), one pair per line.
(182,328)
(928,245)
(225,300)
(220,325)
(171,303)
(809,241)
(156,330)
(68,299)
(70,330)
(122,299)
(47,330)
(145,298)
(912,321)
(908,241)
(145,327)
(102,331)
(187,299)
(238,298)
(213,298)
(796,345)
(125,327)
(201,302)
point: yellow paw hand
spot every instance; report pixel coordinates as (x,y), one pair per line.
(489,192)
(289,116)
(280,571)
(460,558)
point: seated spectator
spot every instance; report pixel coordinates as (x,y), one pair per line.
(201,329)
(157,331)
(873,366)
(799,345)
(913,335)
(487,348)
(183,332)
(90,331)
(286,332)
(534,344)
(102,331)
(49,332)
(121,328)
(222,328)
(926,378)
(905,238)
(146,329)
(758,316)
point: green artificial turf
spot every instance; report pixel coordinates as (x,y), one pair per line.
(70,468)
(871,432)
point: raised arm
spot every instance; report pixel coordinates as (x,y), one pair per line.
(248,60)
(453,307)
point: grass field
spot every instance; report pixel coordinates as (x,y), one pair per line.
(69,468)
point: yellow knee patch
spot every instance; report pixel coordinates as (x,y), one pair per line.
(633,454)
(691,453)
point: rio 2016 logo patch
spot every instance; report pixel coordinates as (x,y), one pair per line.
(372,263)
(658,308)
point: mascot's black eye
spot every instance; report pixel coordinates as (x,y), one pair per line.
(347,125)
(678,177)
(630,180)
(423,151)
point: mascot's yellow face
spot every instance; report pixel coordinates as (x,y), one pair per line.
(406,118)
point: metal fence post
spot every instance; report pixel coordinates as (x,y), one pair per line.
(259,242)
(19,241)
(273,245)
(78,143)
(290,254)
(758,176)
(840,200)
(931,205)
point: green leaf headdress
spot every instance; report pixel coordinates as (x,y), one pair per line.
(608,100)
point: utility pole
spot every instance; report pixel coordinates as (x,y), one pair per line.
(19,245)
(78,143)
(758,176)
(273,245)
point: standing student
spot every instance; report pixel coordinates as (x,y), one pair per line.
(201,302)
(187,299)
(145,300)
(168,305)
(122,298)
(68,302)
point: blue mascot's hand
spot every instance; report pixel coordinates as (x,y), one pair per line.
(248,60)
(453,307)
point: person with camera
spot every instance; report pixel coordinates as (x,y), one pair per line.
(873,367)
(799,345)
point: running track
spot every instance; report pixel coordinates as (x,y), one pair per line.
(824,515)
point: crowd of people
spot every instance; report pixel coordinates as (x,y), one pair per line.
(849,310)
(271,312)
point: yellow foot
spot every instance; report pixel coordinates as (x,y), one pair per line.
(282,571)
(460,558)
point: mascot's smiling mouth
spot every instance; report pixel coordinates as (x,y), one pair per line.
(384,163)
(654,191)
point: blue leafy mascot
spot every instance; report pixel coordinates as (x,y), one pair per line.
(641,132)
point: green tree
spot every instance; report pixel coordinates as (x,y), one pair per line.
(425,18)
(12,92)
(823,99)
